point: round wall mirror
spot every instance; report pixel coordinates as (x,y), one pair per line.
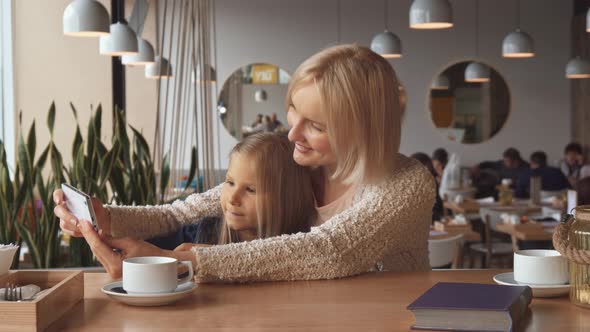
(469,102)
(252,100)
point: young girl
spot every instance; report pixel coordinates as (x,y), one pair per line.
(265,194)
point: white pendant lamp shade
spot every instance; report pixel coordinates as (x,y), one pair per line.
(518,44)
(431,14)
(477,72)
(161,68)
(85,18)
(441,82)
(387,44)
(121,41)
(209,77)
(145,56)
(577,68)
(260,96)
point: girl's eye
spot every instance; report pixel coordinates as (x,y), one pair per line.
(251,190)
(230,182)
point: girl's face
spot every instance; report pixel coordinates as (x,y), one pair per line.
(238,196)
(308,129)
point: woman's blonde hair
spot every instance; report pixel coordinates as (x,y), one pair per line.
(284,195)
(359,93)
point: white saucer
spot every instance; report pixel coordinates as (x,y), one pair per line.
(538,290)
(116,292)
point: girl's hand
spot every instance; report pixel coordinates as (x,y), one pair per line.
(102,246)
(69,223)
(189,246)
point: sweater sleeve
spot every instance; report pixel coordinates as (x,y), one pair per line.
(150,221)
(389,222)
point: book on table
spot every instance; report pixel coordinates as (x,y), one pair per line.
(471,307)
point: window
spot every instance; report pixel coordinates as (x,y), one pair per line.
(7,116)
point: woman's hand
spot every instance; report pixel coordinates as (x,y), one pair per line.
(69,223)
(188,246)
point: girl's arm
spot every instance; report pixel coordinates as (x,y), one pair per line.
(389,224)
(150,221)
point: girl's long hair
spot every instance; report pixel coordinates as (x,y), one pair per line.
(284,195)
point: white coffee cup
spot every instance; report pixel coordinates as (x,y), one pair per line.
(540,267)
(153,274)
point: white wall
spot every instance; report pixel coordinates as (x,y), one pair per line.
(285,33)
(49,66)
(275,102)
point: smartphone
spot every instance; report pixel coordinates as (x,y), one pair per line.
(79,204)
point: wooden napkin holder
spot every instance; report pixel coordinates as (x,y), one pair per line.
(67,289)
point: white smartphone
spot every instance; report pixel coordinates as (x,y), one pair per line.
(79,204)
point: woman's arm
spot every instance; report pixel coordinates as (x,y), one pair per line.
(389,224)
(150,221)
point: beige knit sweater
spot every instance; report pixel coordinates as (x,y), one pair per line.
(386,227)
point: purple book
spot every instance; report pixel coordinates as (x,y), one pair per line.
(471,307)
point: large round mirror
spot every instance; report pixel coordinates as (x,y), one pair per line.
(252,100)
(469,102)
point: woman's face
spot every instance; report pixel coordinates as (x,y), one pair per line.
(238,196)
(308,129)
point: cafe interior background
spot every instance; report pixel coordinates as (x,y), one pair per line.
(230,60)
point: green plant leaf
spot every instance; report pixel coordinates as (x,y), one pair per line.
(56,163)
(42,159)
(107,164)
(28,238)
(41,186)
(51,118)
(78,140)
(80,164)
(142,143)
(32,143)
(118,184)
(193,168)
(91,138)
(23,158)
(164,175)
(74,111)
(98,122)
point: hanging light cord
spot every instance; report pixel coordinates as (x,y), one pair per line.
(476,28)
(518,14)
(385,11)
(338,21)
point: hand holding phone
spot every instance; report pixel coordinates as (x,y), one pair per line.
(79,204)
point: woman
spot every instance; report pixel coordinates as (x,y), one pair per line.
(374,205)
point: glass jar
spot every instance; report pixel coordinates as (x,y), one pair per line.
(579,237)
(504,194)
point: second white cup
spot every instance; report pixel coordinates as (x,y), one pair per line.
(540,267)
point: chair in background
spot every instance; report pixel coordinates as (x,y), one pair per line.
(445,253)
(491,248)
(554,193)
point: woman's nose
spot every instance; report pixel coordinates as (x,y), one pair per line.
(295,132)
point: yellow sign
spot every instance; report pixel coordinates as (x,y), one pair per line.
(265,74)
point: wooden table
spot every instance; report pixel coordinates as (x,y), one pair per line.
(468,206)
(370,302)
(468,235)
(524,233)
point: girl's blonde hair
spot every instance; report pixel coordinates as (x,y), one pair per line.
(359,93)
(284,195)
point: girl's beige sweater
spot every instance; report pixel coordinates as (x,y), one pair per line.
(386,227)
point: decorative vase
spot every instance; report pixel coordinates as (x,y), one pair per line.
(579,238)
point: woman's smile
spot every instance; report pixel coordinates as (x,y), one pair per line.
(301,148)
